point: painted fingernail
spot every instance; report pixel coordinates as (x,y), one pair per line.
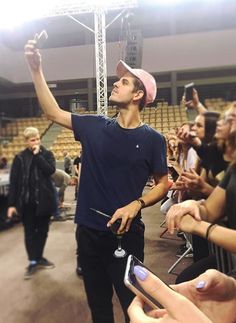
(201,284)
(140,272)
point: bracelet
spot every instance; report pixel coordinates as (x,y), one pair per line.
(209,229)
(141,202)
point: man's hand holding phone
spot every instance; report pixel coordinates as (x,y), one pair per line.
(40,39)
(126,214)
(32,54)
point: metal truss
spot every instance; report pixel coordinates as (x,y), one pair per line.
(72,7)
(101,63)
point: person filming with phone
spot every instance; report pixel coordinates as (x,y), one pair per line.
(118,157)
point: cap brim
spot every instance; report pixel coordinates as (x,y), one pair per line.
(123,68)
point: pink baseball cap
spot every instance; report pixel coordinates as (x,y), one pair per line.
(146,78)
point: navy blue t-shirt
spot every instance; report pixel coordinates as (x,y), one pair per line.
(116,165)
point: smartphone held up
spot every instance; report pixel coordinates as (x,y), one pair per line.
(40,38)
(188,91)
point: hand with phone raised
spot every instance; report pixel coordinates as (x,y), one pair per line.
(188,91)
(191,99)
(40,38)
(32,53)
(208,298)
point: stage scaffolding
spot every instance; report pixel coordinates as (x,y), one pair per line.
(70,8)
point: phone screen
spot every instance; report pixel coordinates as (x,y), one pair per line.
(189,91)
(132,283)
(173,173)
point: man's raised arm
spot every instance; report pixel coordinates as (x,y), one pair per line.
(47,101)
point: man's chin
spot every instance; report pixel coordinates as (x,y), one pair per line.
(113,103)
(118,105)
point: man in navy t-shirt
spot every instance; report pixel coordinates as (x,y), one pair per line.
(118,157)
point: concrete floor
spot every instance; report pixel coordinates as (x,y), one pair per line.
(57,295)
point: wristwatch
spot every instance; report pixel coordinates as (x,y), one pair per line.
(141,202)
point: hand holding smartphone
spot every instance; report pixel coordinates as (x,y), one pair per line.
(132,283)
(188,91)
(115,226)
(40,38)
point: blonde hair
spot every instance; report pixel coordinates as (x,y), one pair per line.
(30,132)
(228,109)
(231,141)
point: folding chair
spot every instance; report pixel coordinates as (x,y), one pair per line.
(188,250)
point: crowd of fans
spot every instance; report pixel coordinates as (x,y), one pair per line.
(201,205)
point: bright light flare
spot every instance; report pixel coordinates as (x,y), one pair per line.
(16,12)
(164,2)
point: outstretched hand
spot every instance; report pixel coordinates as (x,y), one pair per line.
(33,55)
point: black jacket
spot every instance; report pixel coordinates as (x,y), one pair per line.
(44,167)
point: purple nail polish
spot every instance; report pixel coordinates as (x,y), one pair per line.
(140,272)
(201,284)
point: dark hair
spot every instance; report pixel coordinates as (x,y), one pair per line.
(210,123)
(138,86)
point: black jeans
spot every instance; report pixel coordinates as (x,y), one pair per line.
(36,232)
(200,248)
(102,271)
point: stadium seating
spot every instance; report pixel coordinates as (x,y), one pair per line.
(162,117)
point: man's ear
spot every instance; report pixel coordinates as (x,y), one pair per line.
(138,95)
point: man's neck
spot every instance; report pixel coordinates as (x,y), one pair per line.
(129,119)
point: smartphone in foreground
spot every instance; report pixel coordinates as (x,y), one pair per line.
(132,283)
(188,91)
